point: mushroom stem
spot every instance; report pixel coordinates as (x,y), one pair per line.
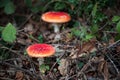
(56,27)
(56,30)
(40,60)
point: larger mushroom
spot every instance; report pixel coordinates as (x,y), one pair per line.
(40,51)
(56,18)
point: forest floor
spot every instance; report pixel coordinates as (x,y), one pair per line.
(73,59)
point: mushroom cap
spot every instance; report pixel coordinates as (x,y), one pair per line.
(56,17)
(40,50)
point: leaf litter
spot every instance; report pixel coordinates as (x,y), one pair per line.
(90,60)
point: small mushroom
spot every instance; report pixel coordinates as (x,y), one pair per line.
(56,18)
(40,51)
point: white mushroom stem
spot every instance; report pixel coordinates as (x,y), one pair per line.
(56,30)
(56,27)
(41,61)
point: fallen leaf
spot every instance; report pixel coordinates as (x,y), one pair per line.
(85,49)
(63,66)
(29,28)
(118,49)
(88,46)
(103,69)
(19,75)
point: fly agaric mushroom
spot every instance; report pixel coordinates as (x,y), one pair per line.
(55,18)
(40,51)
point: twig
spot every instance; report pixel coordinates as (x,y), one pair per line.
(12,59)
(3,78)
(31,64)
(24,70)
(14,51)
(117,43)
(111,32)
(30,37)
(113,64)
(26,20)
(103,26)
(56,62)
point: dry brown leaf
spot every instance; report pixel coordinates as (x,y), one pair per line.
(118,49)
(85,48)
(101,66)
(19,75)
(29,28)
(103,69)
(63,66)
(97,59)
(88,46)
(111,41)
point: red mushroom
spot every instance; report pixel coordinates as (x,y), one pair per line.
(56,18)
(40,51)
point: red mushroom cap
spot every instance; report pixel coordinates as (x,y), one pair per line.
(56,17)
(40,50)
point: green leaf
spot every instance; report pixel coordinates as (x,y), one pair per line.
(115,18)
(40,38)
(9,8)
(35,9)
(117,37)
(28,3)
(1,28)
(76,24)
(80,64)
(59,6)
(43,68)
(94,28)
(88,37)
(118,27)
(9,33)
(47,67)
(76,32)
(94,10)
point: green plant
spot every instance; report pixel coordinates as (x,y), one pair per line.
(40,38)
(43,68)
(91,10)
(9,33)
(35,7)
(8,6)
(116,20)
(82,33)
